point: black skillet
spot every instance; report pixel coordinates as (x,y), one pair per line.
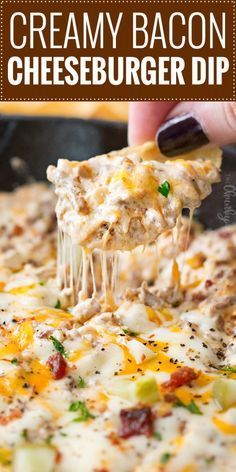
(40,141)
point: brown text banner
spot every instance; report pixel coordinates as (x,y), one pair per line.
(117,50)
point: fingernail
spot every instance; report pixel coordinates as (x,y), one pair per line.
(179,135)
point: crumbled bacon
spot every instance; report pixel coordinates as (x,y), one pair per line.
(208,283)
(170,398)
(136,421)
(57,365)
(182,376)
(17,231)
(224,234)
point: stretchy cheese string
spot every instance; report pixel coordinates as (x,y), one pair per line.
(93,275)
(186,244)
(75,268)
(175,241)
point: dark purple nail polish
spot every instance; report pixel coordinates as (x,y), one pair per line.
(180,135)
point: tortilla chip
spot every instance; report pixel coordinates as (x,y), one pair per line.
(150,151)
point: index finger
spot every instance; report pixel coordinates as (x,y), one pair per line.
(145,119)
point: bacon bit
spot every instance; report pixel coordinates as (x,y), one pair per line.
(14,415)
(17,231)
(57,365)
(58,457)
(182,376)
(208,283)
(225,234)
(136,421)
(170,398)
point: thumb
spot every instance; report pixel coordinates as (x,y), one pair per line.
(191,125)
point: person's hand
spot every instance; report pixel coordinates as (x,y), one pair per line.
(180,127)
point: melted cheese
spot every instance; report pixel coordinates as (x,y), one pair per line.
(150,334)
